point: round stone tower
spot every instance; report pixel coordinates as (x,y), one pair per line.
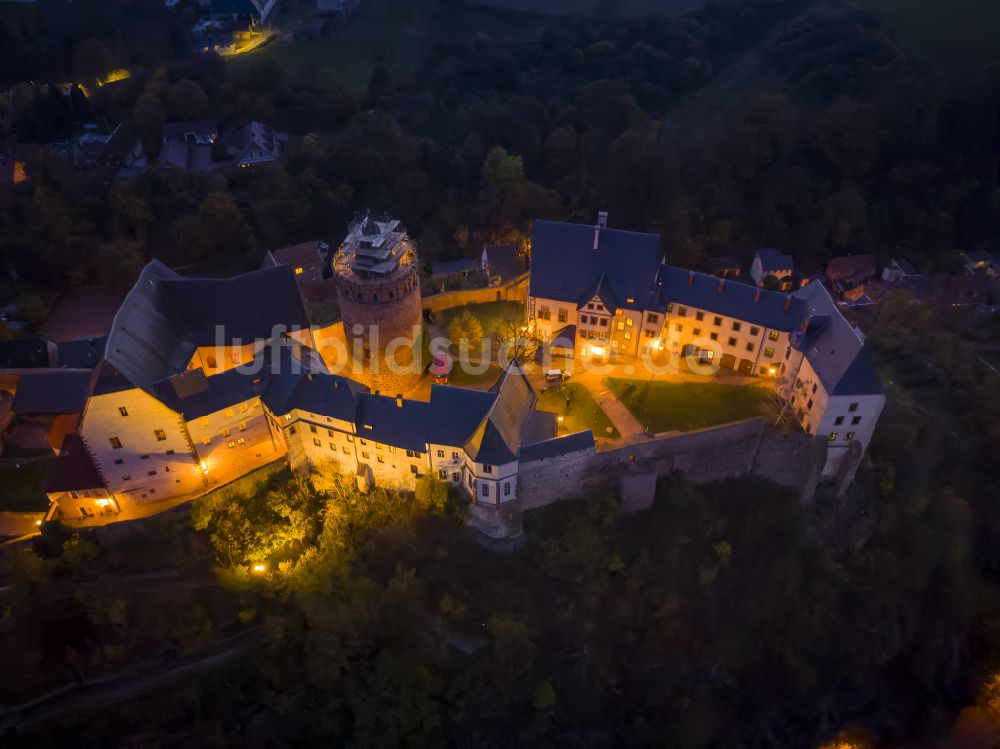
(378,289)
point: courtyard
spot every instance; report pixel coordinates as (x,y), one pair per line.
(664,406)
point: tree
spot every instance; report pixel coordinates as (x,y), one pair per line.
(91,60)
(516,342)
(465,329)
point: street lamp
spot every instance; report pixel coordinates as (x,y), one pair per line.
(259,568)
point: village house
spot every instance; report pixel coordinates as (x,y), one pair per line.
(306,259)
(199,146)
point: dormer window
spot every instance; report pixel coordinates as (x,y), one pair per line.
(487,468)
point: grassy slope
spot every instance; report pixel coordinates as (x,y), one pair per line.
(667,406)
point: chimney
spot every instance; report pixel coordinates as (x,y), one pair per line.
(597,236)
(722,285)
(690,278)
(602,219)
(756,295)
(788,301)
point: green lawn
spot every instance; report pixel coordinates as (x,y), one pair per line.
(23,488)
(579,410)
(491,315)
(666,406)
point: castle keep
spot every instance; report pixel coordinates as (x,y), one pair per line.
(378,289)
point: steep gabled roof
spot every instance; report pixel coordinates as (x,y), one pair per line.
(166,317)
(564,263)
(74,469)
(497,439)
(601,289)
(833,347)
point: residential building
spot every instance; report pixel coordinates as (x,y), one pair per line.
(306,259)
(253,144)
(773,269)
(830,383)
(602,282)
(798,339)
(898,269)
(849,271)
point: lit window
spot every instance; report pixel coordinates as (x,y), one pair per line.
(298,271)
(773,335)
(769,352)
(849,436)
(833,436)
(243,426)
(241,441)
(629,321)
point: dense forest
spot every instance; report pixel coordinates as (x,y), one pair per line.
(802,125)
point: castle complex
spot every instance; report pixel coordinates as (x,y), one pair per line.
(205,380)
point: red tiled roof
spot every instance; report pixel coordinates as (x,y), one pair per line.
(297,254)
(851,268)
(73,469)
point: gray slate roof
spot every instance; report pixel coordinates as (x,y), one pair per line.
(770,309)
(166,317)
(565,265)
(558,446)
(497,439)
(833,348)
(52,393)
(772,260)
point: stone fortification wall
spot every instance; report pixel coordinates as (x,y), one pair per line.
(515,290)
(740,449)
